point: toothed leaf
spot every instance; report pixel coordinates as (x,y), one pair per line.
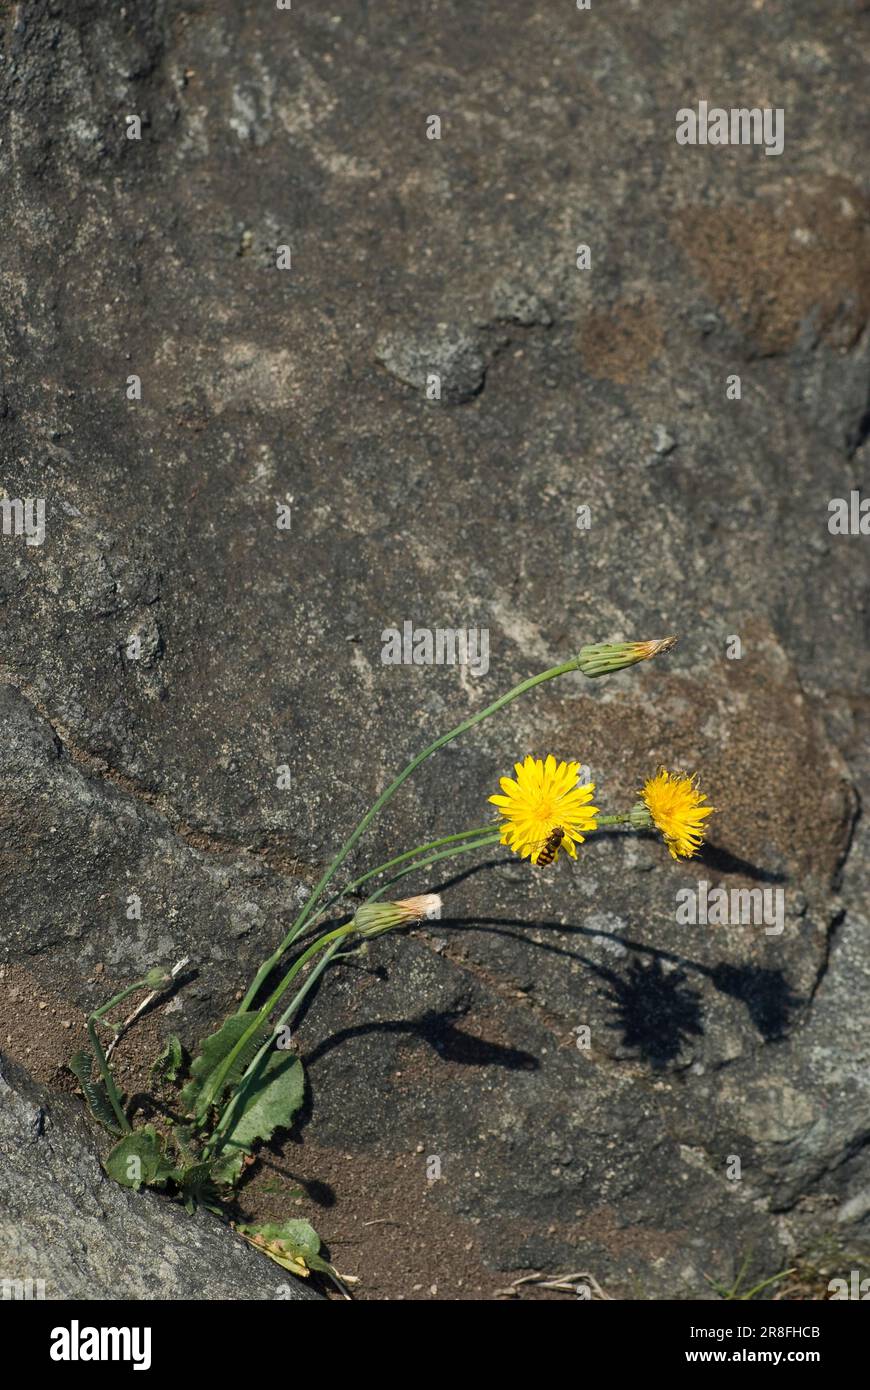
(295,1245)
(169,1063)
(204,1088)
(139,1160)
(81,1064)
(268,1101)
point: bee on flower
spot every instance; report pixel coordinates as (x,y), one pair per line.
(542,799)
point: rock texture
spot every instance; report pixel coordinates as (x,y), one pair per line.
(259,648)
(75,1234)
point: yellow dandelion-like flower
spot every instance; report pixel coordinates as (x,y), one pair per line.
(545,797)
(675,804)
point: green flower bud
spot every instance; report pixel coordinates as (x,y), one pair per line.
(373,918)
(158,977)
(639,817)
(603,657)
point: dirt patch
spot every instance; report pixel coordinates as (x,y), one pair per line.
(41,1029)
(382,1222)
(38,1028)
(377,1214)
(772,267)
(620,343)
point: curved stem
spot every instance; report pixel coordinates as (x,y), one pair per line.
(116,999)
(218,1078)
(327,939)
(400,858)
(288,1013)
(106,1074)
(390,791)
(490,839)
(269,965)
(382,800)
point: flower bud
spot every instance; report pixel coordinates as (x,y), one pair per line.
(158,977)
(604,657)
(375,917)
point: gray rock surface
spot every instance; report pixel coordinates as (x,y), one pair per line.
(75,1234)
(260,648)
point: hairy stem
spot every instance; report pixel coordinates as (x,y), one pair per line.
(319,944)
(220,1074)
(381,801)
(106,1072)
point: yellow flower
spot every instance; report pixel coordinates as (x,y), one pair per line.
(545,796)
(675,804)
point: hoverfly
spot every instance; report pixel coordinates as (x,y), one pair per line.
(551,845)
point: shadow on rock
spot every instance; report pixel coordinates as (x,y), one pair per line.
(657,1011)
(766,994)
(722,861)
(440,1032)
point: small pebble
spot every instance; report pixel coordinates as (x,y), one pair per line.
(663,443)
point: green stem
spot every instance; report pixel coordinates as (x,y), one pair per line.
(489,835)
(312,977)
(218,1077)
(322,941)
(106,1071)
(102,1059)
(491,839)
(489,831)
(329,939)
(118,998)
(382,800)
(288,1013)
(269,965)
(400,858)
(390,863)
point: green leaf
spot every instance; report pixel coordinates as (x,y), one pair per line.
(140,1159)
(292,1244)
(268,1101)
(295,1246)
(170,1060)
(227,1167)
(203,1089)
(197,1186)
(81,1064)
